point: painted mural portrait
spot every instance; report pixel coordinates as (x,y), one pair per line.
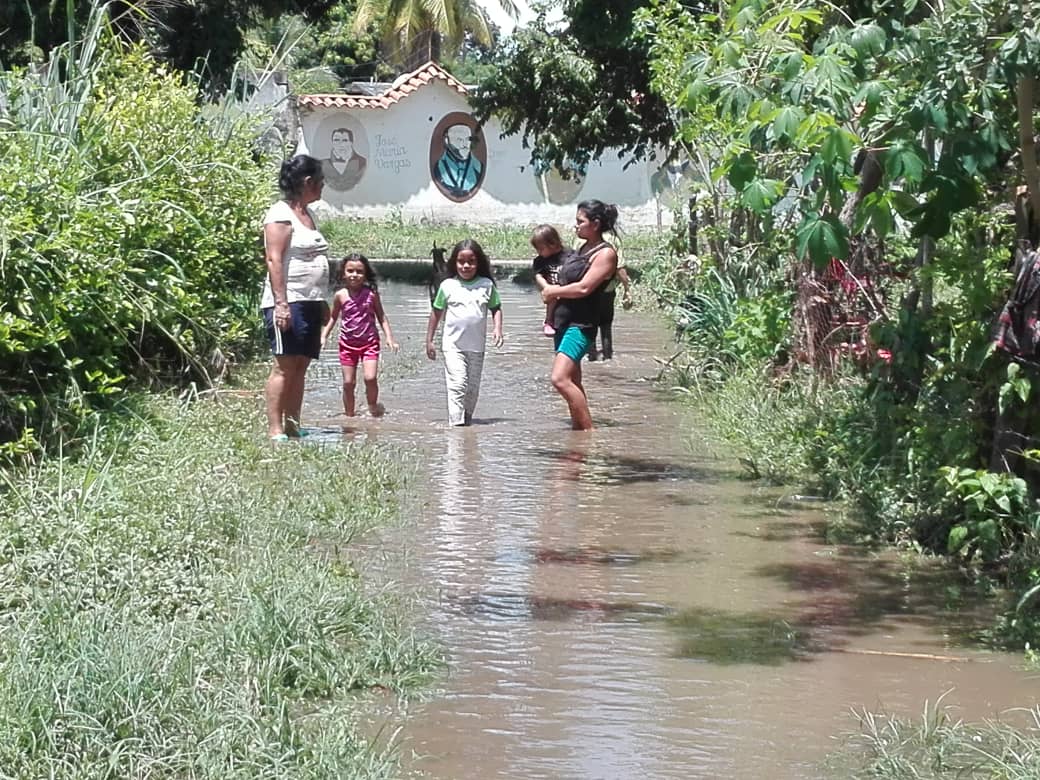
(559,190)
(344,167)
(458,156)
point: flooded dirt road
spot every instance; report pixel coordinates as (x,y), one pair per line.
(619,604)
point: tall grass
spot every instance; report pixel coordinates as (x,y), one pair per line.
(937,746)
(182,602)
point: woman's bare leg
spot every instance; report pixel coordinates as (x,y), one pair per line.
(564,373)
(275,393)
(294,394)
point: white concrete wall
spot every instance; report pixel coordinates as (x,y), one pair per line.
(396,143)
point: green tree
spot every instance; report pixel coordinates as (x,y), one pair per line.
(202,34)
(574,92)
(415,31)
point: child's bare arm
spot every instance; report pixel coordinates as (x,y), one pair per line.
(431,330)
(626,296)
(330,322)
(496,327)
(384,322)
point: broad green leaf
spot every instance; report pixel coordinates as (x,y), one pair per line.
(1023,387)
(837,146)
(760,194)
(821,238)
(742,170)
(904,202)
(786,123)
(867,39)
(905,159)
(870,93)
(957,537)
(730,52)
(881,219)
(790,64)
(990,482)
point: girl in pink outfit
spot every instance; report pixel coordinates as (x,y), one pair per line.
(357,304)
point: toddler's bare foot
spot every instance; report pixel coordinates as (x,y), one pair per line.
(377,410)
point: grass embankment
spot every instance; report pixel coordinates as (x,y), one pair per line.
(180,602)
(401,239)
(938,746)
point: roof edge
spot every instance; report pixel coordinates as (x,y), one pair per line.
(402,87)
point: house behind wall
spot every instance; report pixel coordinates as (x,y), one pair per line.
(413,148)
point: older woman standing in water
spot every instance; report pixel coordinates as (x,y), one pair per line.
(583,277)
(294,300)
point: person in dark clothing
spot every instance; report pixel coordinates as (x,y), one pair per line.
(582,279)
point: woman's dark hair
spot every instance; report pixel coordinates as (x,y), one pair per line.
(371,280)
(295,171)
(603,214)
(483,264)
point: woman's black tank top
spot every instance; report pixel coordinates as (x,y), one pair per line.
(581,312)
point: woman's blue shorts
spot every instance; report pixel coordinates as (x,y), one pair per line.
(575,342)
(304,337)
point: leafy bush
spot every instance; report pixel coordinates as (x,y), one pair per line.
(130,226)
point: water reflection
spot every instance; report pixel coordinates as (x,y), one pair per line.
(615,605)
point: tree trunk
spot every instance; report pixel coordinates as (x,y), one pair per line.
(425,47)
(1027,142)
(871,174)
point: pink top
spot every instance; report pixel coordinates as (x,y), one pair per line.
(358,316)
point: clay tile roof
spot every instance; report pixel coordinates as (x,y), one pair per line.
(403,86)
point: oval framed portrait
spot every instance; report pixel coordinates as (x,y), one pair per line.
(341,143)
(559,190)
(458,156)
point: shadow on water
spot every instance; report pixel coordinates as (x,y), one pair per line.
(522,606)
(845,598)
(603,468)
(785,530)
(729,638)
(604,557)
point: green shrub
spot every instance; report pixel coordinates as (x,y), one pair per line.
(130,225)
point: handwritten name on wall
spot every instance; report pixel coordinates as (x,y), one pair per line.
(390,155)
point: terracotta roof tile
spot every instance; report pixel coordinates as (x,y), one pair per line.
(403,86)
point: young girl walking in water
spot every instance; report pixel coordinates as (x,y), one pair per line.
(357,304)
(463,301)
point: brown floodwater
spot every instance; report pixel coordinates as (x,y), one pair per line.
(620,604)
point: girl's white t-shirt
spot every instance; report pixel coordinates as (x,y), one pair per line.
(465,306)
(305,260)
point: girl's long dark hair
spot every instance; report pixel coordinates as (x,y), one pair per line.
(483,264)
(371,280)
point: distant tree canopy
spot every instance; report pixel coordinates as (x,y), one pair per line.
(323,43)
(574,92)
(184,34)
(414,31)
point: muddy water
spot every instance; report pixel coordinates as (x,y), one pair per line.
(619,604)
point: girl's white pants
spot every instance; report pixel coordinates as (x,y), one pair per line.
(462,375)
